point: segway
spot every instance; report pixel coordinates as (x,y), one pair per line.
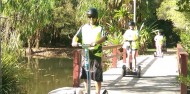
(159,55)
(129,70)
(87,67)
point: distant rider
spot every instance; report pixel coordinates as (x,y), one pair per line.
(158,42)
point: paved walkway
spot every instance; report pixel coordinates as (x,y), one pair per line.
(158,77)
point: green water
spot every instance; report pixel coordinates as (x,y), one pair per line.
(48,74)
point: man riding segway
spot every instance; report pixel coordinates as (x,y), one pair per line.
(91,34)
(131,45)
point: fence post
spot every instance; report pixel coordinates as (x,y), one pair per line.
(182,57)
(124,55)
(76,67)
(114,60)
(184,61)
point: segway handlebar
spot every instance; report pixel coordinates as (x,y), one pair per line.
(84,45)
(130,40)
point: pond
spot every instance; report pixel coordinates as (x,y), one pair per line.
(48,74)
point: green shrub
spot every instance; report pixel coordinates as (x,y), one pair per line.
(12,72)
(185,40)
(185,80)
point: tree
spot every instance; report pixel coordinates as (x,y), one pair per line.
(28,18)
(123,16)
(184,5)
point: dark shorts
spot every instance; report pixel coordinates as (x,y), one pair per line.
(96,68)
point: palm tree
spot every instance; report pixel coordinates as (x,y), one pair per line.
(123,16)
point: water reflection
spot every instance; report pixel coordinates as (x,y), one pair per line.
(48,74)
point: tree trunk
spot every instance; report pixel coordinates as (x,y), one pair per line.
(7,30)
(37,39)
(29,51)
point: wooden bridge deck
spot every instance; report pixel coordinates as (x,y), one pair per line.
(158,77)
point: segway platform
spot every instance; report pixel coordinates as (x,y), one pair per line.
(156,55)
(129,71)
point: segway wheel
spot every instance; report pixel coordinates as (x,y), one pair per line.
(105,92)
(123,70)
(154,54)
(128,71)
(139,72)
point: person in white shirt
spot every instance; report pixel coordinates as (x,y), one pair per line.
(131,35)
(158,42)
